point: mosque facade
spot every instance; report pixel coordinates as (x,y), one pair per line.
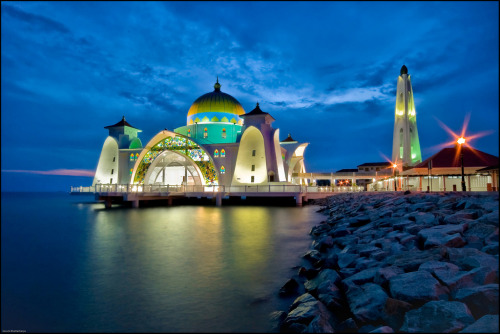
(220,144)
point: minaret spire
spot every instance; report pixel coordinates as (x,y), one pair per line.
(217,85)
(405,143)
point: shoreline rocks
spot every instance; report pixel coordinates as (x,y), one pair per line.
(394,262)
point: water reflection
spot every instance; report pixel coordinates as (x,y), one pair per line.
(190,268)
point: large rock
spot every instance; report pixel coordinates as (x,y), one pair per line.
(461,217)
(470,258)
(441,230)
(320,324)
(481,300)
(383,329)
(304,313)
(305,298)
(438,317)
(487,324)
(325,275)
(383,275)
(411,260)
(417,288)
(346,260)
(289,288)
(276,318)
(490,218)
(361,278)
(367,302)
(394,312)
(453,240)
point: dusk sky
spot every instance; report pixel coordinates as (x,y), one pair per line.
(326,71)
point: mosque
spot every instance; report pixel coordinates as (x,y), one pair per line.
(220,144)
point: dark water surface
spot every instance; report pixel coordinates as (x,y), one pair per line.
(69,265)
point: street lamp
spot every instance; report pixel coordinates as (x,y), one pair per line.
(461,141)
(394,166)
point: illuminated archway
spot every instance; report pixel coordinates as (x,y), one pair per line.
(188,154)
(173,168)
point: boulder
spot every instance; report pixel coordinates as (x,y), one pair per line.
(325,275)
(383,329)
(460,217)
(276,318)
(441,230)
(312,256)
(319,324)
(305,298)
(438,316)
(411,260)
(305,312)
(289,288)
(361,278)
(481,300)
(347,326)
(489,218)
(340,232)
(486,324)
(346,260)
(417,288)
(470,258)
(366,250)
(383,275)
(394,312)
(453,240)
(367,302)
(491,249)
(402,224)
(479,230)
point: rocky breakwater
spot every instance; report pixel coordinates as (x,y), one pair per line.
(394,262)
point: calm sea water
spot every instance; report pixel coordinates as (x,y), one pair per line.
(70,265)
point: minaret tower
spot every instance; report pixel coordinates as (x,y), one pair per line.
(405,144)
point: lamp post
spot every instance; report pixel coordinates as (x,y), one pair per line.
(460,141)
(394,166)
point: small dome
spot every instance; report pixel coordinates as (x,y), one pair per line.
(404,70)
(215,107)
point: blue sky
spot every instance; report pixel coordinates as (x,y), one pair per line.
(326,71)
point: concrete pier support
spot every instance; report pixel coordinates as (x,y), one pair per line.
(169,201)
(107,203)
(135,203)
(218,199)
(298,200)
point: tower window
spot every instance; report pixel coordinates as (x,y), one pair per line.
(222,170)
(131,157)
(112,171)
(253,153)
(252,179)
(114,159)
(222,153)
(136,156)
(253,168)
(216,153)
(224,133)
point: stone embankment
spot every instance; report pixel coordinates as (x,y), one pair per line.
(394,262)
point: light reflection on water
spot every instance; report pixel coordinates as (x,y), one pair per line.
(183,268)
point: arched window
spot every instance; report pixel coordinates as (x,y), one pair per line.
(136,156)
(216,153)
(222,170)
(131,170)
(189,133)
(131,156)
(205,133)
(224,133)
(222,153)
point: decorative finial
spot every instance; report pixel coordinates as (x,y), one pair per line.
(257,104)
(404,70)
(217,85)
(289,135)
(123,117)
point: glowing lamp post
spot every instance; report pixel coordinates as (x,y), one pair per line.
(394,166)
(461,141)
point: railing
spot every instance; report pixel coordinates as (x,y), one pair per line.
(269,188)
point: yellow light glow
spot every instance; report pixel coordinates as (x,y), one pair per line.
(395,165)
(461,140)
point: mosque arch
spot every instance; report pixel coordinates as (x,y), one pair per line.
(172,168)
(107,167)
(192,154)
(251,152)
(279,161)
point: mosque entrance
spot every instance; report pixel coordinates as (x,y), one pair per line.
(172,168)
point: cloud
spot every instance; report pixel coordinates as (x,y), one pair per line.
(62,172)
(41,22)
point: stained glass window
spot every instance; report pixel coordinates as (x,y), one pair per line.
(205,133)
(131,156)
(222,153)
(189,133)
(136,156)
(131,170)
(222,170)
(216,153)
(224,133)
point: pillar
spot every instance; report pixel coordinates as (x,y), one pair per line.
(420,183)
(298,200)
(135,203)
(218,199)
(107,203)
(444,183)
(468,183)
(169,201)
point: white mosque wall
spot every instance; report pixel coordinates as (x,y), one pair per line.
(279,160)
(228,160)
(107,167)
(251,152)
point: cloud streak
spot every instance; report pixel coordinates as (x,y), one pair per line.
(60,172)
